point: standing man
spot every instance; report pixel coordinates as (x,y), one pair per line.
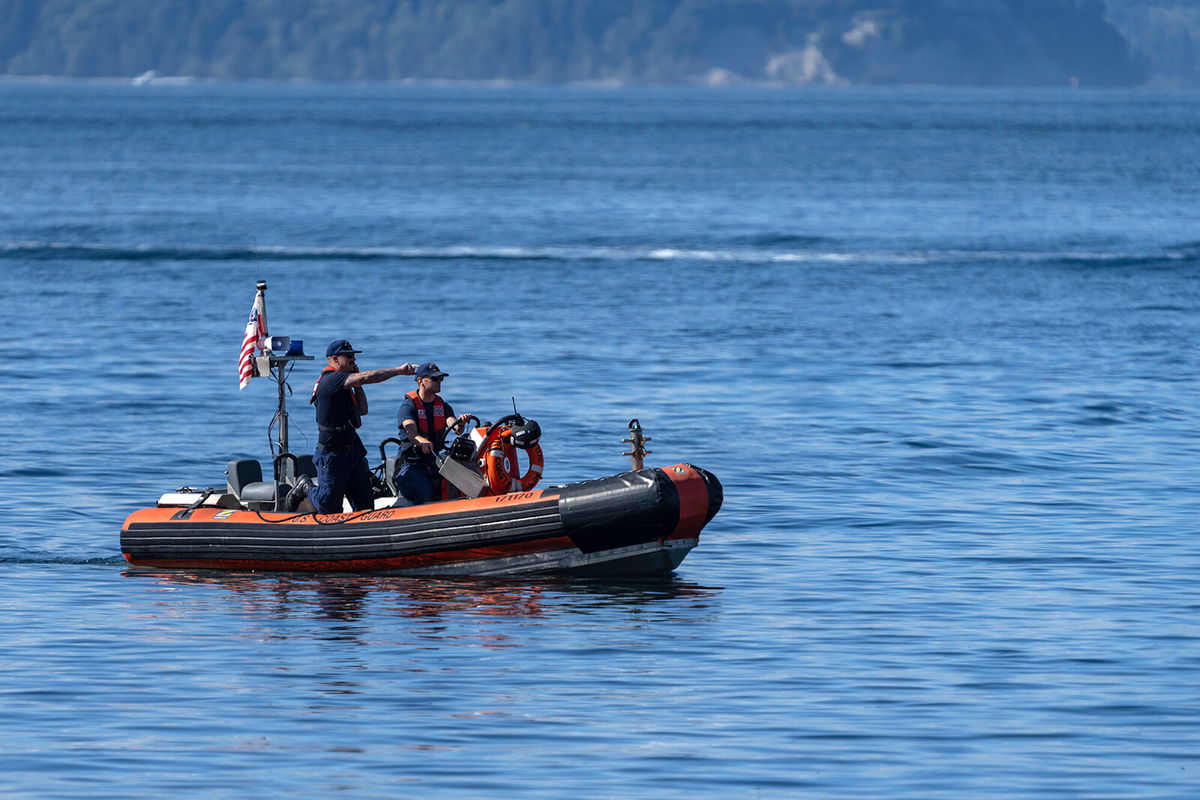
(340,457)
(424,418)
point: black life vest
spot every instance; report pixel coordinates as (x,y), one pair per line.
(357,396)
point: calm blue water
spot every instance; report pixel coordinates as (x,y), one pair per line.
(940,347)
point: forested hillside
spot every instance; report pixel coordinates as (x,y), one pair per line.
(1166,33)
(976,42)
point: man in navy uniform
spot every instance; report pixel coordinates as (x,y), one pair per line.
(424,417)
(340,457)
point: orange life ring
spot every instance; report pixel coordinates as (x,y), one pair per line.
(500,466)
(534,473)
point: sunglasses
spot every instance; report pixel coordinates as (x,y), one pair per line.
(435,378)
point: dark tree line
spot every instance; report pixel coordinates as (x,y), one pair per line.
(1025,42)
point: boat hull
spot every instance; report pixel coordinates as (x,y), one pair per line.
(636,522)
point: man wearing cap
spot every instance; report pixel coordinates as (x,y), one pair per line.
(424,418)
(340,457)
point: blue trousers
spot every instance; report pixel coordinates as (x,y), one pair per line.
(341,475)
(419,484)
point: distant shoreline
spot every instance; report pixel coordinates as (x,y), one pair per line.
(501,84)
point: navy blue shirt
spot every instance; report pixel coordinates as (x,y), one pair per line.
(337,414)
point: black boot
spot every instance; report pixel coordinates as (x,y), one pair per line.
(299,493)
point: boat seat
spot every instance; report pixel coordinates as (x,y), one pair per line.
(240,473)
(265,495)
(244,471)
(246,482)
(391,467)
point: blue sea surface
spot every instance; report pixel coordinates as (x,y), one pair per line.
(940,346)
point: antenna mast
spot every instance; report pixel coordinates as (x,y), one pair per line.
(278,354)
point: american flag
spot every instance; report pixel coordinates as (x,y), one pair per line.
(256,331)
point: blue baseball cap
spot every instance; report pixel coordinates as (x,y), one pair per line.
(339,347)
(430,370)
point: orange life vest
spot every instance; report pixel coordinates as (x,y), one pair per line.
(431,423)
(431,417)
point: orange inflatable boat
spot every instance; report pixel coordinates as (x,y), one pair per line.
(645,520)
(641,521)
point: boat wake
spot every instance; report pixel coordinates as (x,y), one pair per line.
(104,252)
(769,251)
(33,558)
